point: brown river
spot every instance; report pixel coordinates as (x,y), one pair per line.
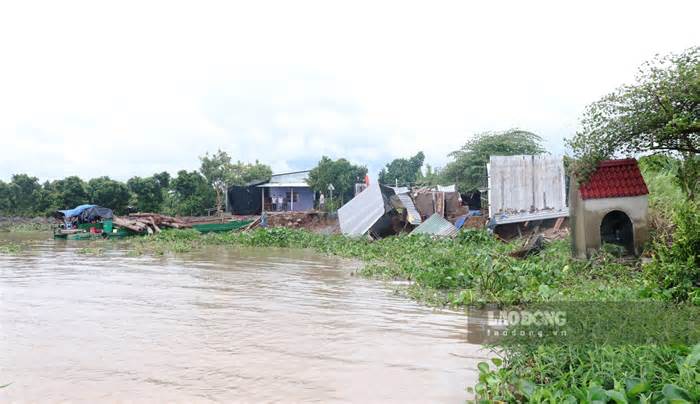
(218,325)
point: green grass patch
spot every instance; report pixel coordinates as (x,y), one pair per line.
(10,248)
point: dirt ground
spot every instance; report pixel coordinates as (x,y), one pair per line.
(317,222)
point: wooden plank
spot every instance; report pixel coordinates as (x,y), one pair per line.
(558,223)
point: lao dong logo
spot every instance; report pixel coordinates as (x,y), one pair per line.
(526,318)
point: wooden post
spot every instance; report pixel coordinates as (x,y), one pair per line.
(291,199)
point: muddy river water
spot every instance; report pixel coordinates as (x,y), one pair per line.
(218,325)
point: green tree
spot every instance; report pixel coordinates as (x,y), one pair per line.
(402,171)
(5,202)
(659,113)
(69,192)
(147,193)
(468,167)
(221,173)
(341,173)
(163,179)
(109,193)
(190,194)
(431,177)
(244,173)
(21,194)
(46,201)
(218,171)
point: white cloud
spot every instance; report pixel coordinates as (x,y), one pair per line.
(98,89)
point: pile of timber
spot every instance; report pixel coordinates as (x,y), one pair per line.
(148,222)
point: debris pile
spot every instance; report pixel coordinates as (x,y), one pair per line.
(311,220)
(149,222)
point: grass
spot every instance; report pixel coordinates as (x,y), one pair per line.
(10,248)
(91,251)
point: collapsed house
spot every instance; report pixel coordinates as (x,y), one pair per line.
(370,212)
(526,188)
(443,200)
(610,207)
(412,215)
(381,211)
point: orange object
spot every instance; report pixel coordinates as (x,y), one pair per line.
(367,180)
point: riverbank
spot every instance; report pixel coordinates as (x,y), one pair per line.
(22,224)
(475,269)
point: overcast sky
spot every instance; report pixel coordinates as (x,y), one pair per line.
(123,89)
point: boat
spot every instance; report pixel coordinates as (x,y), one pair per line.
(221,227)
(84,222)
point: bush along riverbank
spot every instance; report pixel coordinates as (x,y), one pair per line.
(25,224)
(598,361)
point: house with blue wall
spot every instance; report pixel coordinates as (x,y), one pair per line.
(287,192)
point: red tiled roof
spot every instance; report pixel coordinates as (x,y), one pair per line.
(613,179)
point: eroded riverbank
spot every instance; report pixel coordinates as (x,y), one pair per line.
(219,324)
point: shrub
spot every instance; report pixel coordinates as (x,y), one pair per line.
(675,268)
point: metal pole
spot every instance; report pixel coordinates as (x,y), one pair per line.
(291,199)
(262,195)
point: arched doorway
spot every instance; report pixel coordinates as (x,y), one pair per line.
(616,228)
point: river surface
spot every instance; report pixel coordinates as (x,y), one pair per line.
(223,324)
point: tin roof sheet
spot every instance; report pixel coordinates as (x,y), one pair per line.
(437,226)
(364,210)
(523,187)
(411,211)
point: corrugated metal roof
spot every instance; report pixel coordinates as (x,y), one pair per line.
(447,188)
(526,187)
(411,211)
(293,179)
(436,225)
(362,212)
(400,190)
(284,185)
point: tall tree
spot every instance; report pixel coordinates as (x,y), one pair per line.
(5,202)
(46,201)
(221,173)
(218,171)
(21,192)
(163,179)
(468,167)
(659,113)
(244,173)
(147,193)
(109,193)
(70,192)
(191,194)
(431,177)
(402,171)
(341,173)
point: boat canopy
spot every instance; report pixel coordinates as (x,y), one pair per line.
(68,213)
(86,213)
(96,212)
